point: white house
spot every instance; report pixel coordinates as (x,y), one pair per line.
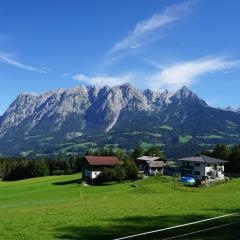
(202,166)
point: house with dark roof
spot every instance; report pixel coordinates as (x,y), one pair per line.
(202,166)
(150,164)
(93,166)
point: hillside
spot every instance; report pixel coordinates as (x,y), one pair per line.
(73,120)
(57,207)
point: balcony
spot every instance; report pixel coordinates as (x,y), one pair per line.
(187,168)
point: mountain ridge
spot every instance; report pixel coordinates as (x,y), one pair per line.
(89,116)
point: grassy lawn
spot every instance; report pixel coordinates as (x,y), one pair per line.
(166,127)
(219,229)
(146,146)
(185,138)
(212,137)
(57,207)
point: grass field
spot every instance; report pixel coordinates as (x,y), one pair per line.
(185,139)
(58,207)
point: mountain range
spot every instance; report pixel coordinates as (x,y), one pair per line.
(87,117)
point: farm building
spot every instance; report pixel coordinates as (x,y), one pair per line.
(93,166)
(202,166)
(150,164)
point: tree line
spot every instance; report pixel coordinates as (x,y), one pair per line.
(229,153)
(16,168)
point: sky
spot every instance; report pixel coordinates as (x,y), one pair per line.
(155,44)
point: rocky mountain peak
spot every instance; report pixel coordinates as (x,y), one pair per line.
(184,92)
(185,95)
(126,85)
(109,115)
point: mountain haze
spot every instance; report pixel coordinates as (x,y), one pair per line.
(81,118)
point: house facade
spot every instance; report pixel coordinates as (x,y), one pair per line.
(171,170)
(202,166)
(150,165)
(93,166)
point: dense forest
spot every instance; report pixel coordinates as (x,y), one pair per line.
(17,168)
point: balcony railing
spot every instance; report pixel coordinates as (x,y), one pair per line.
(187,167)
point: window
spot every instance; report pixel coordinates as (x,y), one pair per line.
(196,173)
(197,164)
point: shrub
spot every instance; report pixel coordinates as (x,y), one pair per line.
(119,173)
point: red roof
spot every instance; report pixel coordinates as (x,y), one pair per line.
(102,160)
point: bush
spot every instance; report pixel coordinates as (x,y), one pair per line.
(119,173)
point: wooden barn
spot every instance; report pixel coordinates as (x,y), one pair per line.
(93,166)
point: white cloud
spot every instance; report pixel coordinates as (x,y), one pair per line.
(186,73)
(103,80)
(139,36)
(7,59)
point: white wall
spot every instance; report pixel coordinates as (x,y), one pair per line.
(95,174)
(195,168)
(200,169)
(92,174)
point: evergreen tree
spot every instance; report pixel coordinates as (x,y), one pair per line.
(131,169)
(234,159)
(138,152)
(154,151)
(221,151)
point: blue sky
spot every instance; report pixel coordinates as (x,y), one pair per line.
(157,44)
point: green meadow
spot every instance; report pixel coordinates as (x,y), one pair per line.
(58,207)
(185,139)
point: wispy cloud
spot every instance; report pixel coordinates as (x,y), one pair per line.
(103,80)
(186,73)
(8,59)
(139,36)
(67,74)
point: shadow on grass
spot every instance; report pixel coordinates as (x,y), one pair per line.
(121,227)
(75,181)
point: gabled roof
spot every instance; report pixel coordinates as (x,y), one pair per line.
(203,159)
(156,163)
(102,160)
(148,158)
